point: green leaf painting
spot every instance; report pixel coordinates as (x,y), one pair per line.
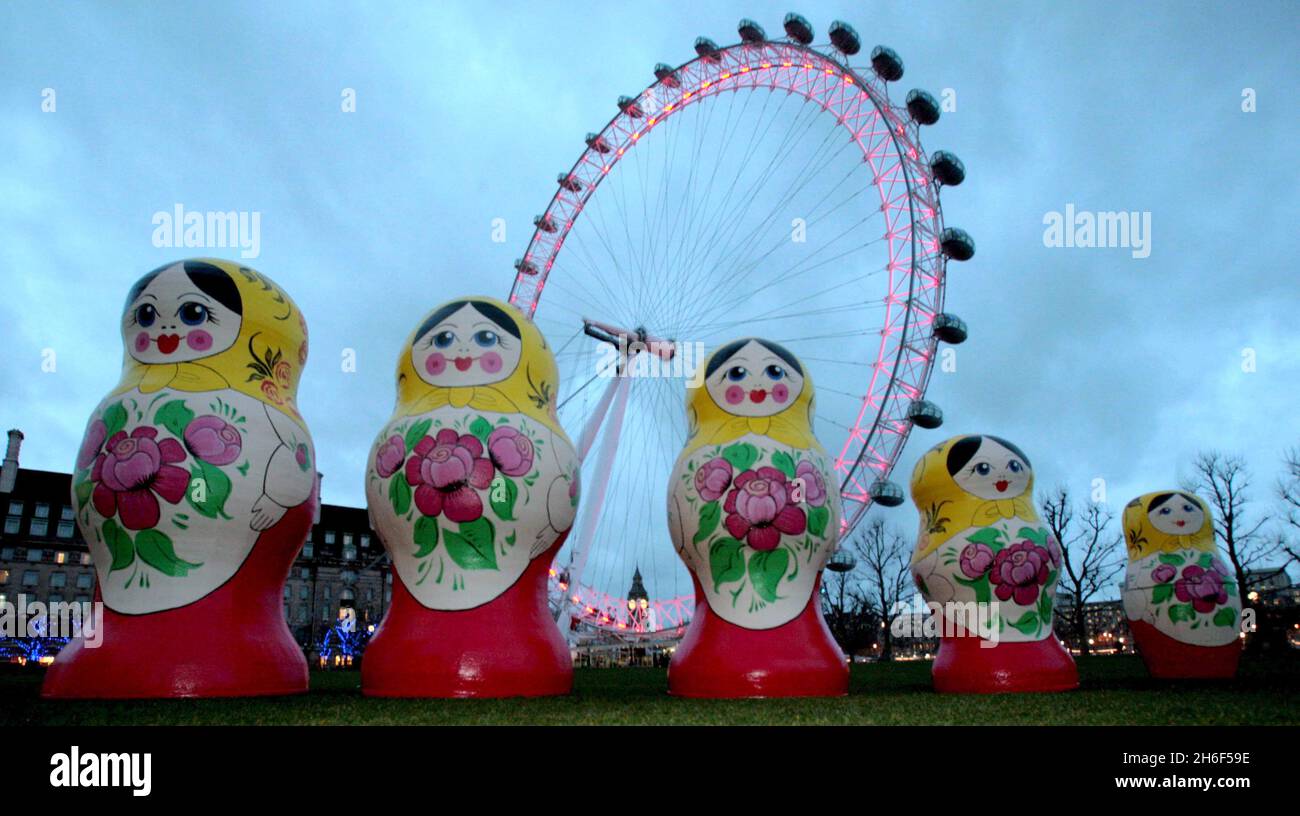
(818,518)
(741,455)
(399,493)
(1028,624)
(174,416)
(726,561)
(473,547)
(766,569)
(784,463)
(114,419)
(208,489)
(502,496)
(156,550)
(119,544)
(480,427)
(709,516)
(426,536)
(414,434)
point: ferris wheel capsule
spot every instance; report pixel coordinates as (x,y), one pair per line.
(596,143)
(630,106)
(751,32)
(798,28)
(886,493)
(923,107)
(841,561)
(886,63)
(925,414)
(666,74)
(525,267)
(707,49)
(845,39)
(569,182)
(957,244)
(950,328)
(544,223)
(947,168)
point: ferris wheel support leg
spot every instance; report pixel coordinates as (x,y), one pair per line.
(592,427)
(592,505)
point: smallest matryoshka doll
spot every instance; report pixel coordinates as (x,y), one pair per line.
(1180,598)
(985,560)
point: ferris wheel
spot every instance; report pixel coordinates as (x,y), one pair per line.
(766,188)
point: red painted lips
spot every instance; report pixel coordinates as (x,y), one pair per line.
(463,363)
(757,395)
(1002,485)
(167,343)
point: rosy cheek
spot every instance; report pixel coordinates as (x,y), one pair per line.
(781,393)
(435,363)
(199,340)
(735,395)
(491,362)
(142,341)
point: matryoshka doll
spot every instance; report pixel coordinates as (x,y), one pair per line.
(473,486)
(753,512)
(1180,598)
(982,549)
(195,488)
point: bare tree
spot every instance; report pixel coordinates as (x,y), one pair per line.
(850,623)
(1289,490)
(884,556)
(1225,482)
(1090,553)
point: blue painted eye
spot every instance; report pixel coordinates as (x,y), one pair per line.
(983,468)
(443,339)
(1187,508)
(736,373)
(1164,511)
(486,338)
(193,314)
(774,372)
(146,314)
(1014,466)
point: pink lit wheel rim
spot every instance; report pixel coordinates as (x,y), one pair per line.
(764,188)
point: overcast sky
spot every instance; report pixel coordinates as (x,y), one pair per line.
(1099,364)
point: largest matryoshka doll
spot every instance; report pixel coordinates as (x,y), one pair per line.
(753,512)
(195,489)
(473,486)
(982,549)
(1180,598)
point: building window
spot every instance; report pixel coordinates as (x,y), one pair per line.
(35,555)
(7,554)
(85,580)
(4,576)
(302,592)
(85,559)
(56,598)
(349,552)
(31,578)
(365,541)
(60,558)
(325,615)
(325,592)
(42,510)
(15,508)
(83,599)
(287,592)
(13,524)
(67,513)
(329,536)
(58,580)
(39,527)
(305,574)
(307,550)
(345,595)
(65,529)
(40,519)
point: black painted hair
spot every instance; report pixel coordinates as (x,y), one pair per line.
(211,280)
(728,351)
(491,311)
(964,450)
(1156,501)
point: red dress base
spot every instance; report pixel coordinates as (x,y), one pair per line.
(508,647)
(232,643)
(717,658)
(1170,659)
(963,667)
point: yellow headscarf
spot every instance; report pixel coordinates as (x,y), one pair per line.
(710,424)
(946,509)
(1142,538)
(530,389)
(264,362)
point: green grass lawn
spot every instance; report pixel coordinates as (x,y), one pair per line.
(1114,690)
